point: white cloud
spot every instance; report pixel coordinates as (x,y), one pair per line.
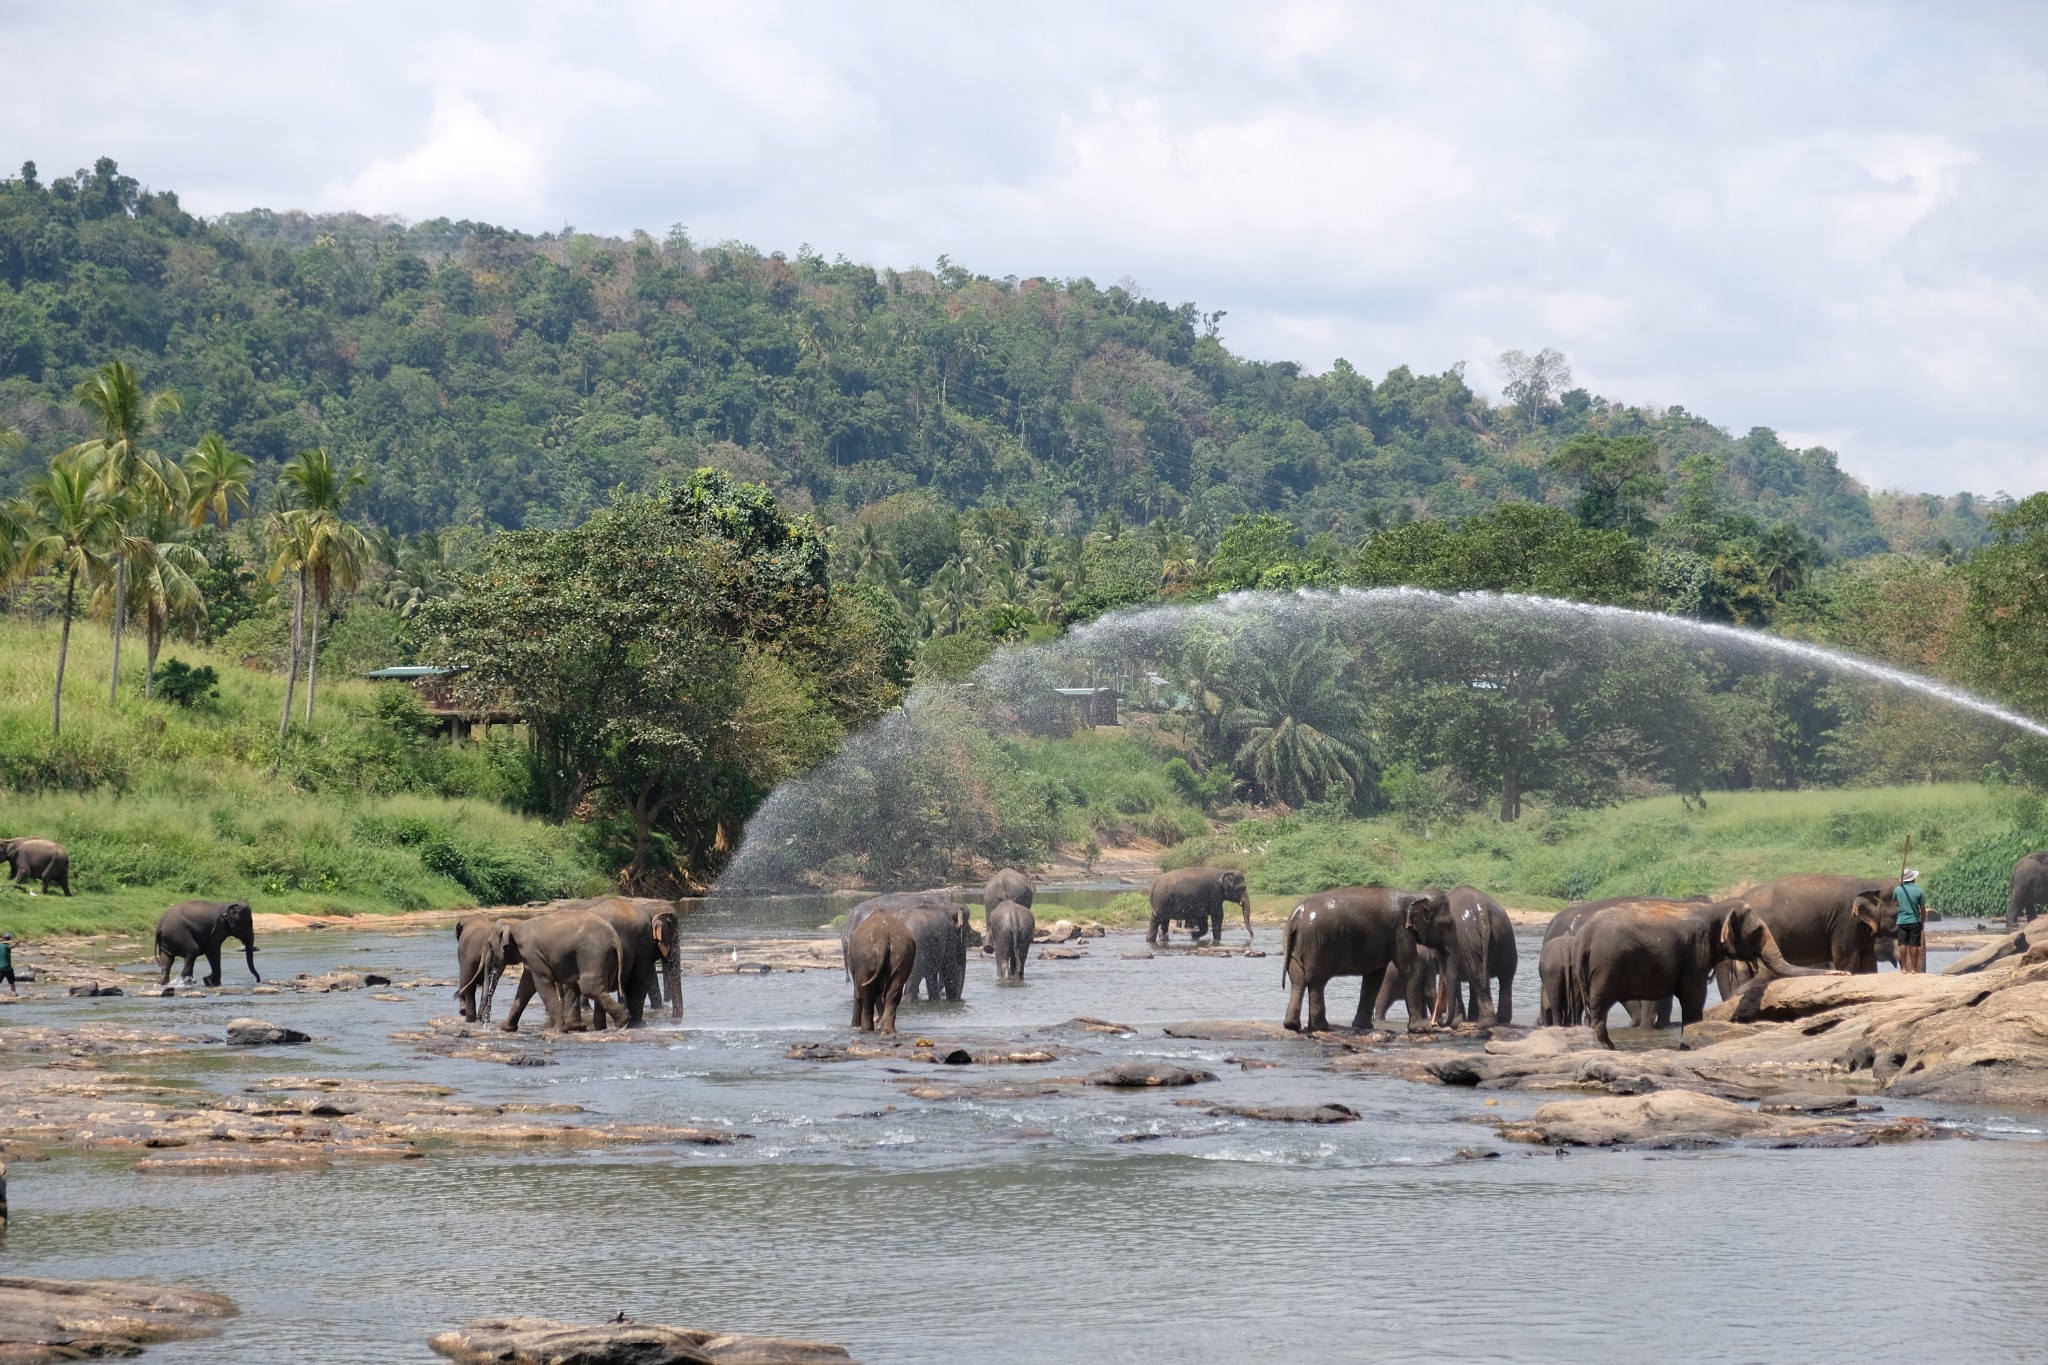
(1824,217)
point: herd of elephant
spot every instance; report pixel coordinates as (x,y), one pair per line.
(1446,955)
(1451,954)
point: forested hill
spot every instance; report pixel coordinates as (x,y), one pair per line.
(481,375)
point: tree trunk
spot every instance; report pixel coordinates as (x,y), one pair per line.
(291,676)
(313,658)
(156,643)
(63,651)
(120,619)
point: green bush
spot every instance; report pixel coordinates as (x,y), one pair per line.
(1978,879)
(181,684)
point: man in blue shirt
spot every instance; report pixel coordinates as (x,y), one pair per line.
(1912,914)
(7,962)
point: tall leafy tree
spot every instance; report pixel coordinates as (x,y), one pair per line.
(1618,478)
(133,471)
(219,480)
(164,571)
(332,550)
(1298,721)
(291,538)
(72,522)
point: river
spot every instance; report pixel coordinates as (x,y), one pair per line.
(1036,1230)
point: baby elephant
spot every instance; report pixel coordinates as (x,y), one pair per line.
(1010,929)
(881,956)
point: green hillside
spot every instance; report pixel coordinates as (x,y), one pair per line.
(158,802)
(484,376)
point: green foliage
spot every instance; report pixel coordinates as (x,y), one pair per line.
(1516,548)
(2007,582)
(1978,879)
(181,684)
(1618,477)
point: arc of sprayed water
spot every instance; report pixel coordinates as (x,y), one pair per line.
(1243,602)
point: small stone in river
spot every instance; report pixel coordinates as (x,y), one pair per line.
(1472,1154)
(1051,954)
(1135,957)
(1136,1073)
(257,1033)
(87,990)
(264,990)
(372,979)
(1253,952)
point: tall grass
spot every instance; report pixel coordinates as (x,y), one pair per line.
(157,803)
(1114,790)
(1658,846)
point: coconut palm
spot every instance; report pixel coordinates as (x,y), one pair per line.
(1300,726)
(219,477)
(290,539)
(332,550)
(130,469)
(418,572)
(70,521)
(163,571)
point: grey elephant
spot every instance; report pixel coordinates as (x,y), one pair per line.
(1646,950)
(881,957)
(1194,896)
(1746,937)
(1008,885)
(941,932)
(1011,926)
(1351,931)
(2029,895)
(472,961)
(647,949)
(1559,1004)
(37,860)
(1451,944)
(1820,920)
(192,929)
(565,954)
(893,900)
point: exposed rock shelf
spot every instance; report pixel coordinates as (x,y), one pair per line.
(539,1341)
(43,1320)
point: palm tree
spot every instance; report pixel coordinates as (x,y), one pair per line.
(290,536)
(419,573)
(69,520)
(162,576)
(218,477)
(1301,726)
(126,464)
(333,549)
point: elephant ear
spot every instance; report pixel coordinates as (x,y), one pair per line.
(1864,908)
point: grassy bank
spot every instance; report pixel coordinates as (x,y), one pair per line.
(156,802)
(1657,846)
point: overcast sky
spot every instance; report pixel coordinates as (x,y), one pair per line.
(1827,219)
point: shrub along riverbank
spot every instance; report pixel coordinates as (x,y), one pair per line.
(158,802)
(1658,846)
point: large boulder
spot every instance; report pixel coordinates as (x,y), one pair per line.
(1680,1118)
(1141,1074)
(540,1341)
(94,1319)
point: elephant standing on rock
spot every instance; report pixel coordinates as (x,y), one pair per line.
(1747,937)
(1352,931)
(1446,956)
(881,956)
(1194,896)
(563,953)
(1827,921)
(1646,950)
(472,964)
(37,860)
(647,946)
(1560,1004)
(191,929)
(1011,926)
(2029,895)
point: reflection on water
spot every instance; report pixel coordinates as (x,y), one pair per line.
(1035,1230)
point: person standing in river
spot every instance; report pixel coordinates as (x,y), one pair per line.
(1912,914)
(7,963)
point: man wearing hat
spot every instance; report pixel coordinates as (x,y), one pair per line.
(1912,911)
(7,962)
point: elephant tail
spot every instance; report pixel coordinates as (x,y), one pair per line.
(1287,940)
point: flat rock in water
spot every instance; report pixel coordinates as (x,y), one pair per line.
(1230,1031)
(1288,1113)
(1797,997)
(538,1341)
(985,1090)
(1056,954)
(1140,1074)
(257,1033)
(1142,955)
(1093,1025)
(94,1319)
(1679,1118)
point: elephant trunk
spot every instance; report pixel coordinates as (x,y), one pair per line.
(491,972)
(1774,960)
(672,978)
(1246,906)
(249,956)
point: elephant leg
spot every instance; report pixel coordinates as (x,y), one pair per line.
(1692,1001)
(164,958)
(1295,990)
(1598,1002)
(191,965)
(1390,980)
(213,966)
(603,1006)
(519,999)
(1664,1010)
(1504,1000)
(1318,1021)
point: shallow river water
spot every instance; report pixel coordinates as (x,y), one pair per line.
(1033,1230)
